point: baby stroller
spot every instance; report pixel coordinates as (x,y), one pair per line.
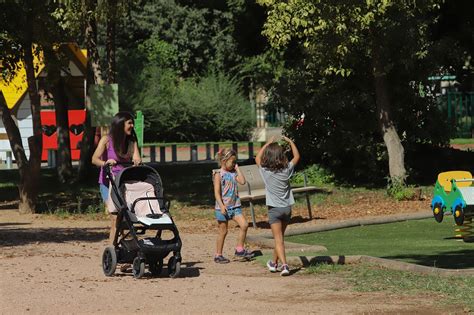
(137,194)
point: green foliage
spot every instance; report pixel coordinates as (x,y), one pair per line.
(399,190)
(316,176)
(201,35)
(329,78)
(170,54)
(209,109)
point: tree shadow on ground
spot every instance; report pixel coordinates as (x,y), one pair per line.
(294,220)
(15,223)
(20,236)
(461,259)
(188,270)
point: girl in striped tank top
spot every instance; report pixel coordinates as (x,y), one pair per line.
(228,205)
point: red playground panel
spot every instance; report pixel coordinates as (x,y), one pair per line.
(76,131)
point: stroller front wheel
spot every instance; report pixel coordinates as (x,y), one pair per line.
(138,267)
(174,267)
(109,261)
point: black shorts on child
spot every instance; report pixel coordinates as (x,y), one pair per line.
(276,214)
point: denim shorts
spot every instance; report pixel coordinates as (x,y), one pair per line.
(231,213)
(104,192)
(281,214)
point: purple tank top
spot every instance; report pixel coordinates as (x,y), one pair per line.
(110,154)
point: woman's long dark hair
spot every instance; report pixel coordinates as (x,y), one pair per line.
(274,158)
(123,144)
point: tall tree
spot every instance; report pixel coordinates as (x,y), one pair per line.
(24,26)
(110,40)
(56,64)
(341,38)
(94,76)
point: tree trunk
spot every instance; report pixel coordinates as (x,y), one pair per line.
(57,87)
(27,202)
(64,166)
(93,58)
(94,76)
(29,179)
(396,152)
(110,40)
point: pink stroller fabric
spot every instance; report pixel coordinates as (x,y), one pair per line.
(135,190)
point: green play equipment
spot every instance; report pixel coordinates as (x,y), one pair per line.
(454,193)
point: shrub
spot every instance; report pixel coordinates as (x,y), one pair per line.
(316,175)
(210,108)
(397,189)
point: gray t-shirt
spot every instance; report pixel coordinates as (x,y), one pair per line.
(277,186)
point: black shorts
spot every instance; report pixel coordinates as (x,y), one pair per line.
(279,214)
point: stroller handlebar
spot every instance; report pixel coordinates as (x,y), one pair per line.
(108,167)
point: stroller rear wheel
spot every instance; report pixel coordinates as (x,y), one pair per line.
(109,261)
(156,267)
(174,267)
(138,267)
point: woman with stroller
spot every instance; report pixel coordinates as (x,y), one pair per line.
(276,172)
(119,146)
(228,205)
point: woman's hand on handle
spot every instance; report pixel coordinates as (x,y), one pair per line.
(136,161)
(136,158)
(110,162)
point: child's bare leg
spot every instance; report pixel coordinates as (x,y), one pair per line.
(279,252)
(243,224)
(222,230)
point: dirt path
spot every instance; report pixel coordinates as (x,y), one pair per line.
(54,266)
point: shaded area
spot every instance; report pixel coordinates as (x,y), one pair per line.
(14,223)
(461,259)
(188,270)
(263,224)
(20,236)
(190,184)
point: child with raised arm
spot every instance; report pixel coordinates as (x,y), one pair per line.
(228,205)
(276,172)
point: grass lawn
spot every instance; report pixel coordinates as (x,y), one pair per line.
(454,290)
(462,141)
(423,242)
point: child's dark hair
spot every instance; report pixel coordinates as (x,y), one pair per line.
(274,158)
(224,154)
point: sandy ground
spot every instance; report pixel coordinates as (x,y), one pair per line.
(49,265)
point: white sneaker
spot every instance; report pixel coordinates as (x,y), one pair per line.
(285,270)
(271,266)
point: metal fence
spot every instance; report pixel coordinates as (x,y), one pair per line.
(459,107)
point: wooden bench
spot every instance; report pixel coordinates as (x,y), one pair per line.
(254,189)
